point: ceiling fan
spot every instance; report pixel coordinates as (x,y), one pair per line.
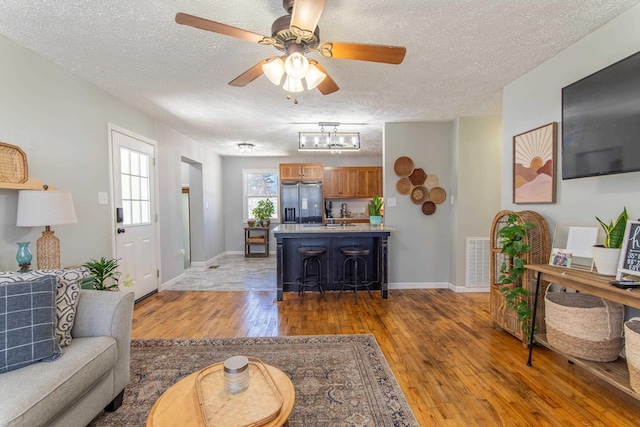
(297,34)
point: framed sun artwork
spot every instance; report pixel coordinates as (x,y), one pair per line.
(534,165)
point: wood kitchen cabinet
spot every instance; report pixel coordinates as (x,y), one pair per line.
(301,171)
(368,182)
(352,182)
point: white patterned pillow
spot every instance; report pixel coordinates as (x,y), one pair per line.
(67,292)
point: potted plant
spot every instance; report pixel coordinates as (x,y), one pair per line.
(104,275)
(374,210)
(512,238)
(607,255)
(262,213)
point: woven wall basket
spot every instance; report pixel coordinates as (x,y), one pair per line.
(584,326)
(632,349)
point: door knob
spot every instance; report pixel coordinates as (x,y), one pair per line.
(121,230)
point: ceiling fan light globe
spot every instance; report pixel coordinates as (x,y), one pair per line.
(314,77)
(293,85)
(296,65)
(274,70)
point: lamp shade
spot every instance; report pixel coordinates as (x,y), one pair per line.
(296,65)
(38,208)
(314,77)
(274,70)
(293,85)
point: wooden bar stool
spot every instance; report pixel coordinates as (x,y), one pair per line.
(311,270)
(355,259)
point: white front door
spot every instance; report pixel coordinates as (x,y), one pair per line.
(133,189)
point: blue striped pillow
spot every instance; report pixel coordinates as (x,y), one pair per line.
(27,323)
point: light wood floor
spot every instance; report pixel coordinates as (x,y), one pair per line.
(453,367)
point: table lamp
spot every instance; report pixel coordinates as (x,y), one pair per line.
(38,208)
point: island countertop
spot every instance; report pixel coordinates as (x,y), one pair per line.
(291,237)
(324,229)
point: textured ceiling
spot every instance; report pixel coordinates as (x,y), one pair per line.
(460,54)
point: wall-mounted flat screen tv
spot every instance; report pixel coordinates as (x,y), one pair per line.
(601,122)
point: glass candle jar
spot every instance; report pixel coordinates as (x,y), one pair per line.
(236,374)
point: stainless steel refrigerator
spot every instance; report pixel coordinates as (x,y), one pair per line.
(301,202)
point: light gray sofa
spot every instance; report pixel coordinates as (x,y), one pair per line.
(89,377)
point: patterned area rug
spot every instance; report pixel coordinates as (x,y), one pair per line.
(339,380)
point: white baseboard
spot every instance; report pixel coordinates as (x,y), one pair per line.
(464,289)
(419,285)
(437,285)
(176,279)
(209,262)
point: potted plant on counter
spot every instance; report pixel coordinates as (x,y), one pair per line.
(607,255)
(262,213)
(374,210)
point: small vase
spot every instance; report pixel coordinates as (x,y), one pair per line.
(24,256)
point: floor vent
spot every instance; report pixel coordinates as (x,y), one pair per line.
(214,266)
(478,262)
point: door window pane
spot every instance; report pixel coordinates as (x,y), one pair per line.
(135,187)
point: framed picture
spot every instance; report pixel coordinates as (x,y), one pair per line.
(534,165)
(560,257)
(629,262)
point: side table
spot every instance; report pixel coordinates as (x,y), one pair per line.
(256,236)
(179,405)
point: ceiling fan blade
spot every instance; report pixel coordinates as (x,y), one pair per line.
(217,27)
(363,52)
(306,14)
(250,75)
(328,85)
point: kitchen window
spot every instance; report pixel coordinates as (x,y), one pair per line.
(259,184)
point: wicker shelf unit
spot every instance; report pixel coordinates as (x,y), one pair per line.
(502,316)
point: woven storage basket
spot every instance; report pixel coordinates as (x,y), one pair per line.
(632,349)
(584,326)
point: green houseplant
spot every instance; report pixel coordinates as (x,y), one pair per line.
(374,210)
(104,275)
(512,238)
(607,255)
(262,213)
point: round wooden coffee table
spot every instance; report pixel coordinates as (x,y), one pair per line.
(179,405)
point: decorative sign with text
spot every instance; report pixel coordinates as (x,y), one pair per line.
(630,256)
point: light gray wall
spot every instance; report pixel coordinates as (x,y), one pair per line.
(232,187)
(207,204)
(535,100)
(419,250)
(476,185)
(60,122)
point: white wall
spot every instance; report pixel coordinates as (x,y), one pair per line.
(60,122)
(477,183)
(207,204)
(419,249)
(535,99)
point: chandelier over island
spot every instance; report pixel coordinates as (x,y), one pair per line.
(332,141)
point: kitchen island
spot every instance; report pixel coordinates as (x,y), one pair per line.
(290,237)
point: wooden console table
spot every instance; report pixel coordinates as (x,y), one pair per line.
(615,373)
(256,236)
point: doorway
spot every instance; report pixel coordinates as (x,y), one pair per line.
(192,213)
(134,218)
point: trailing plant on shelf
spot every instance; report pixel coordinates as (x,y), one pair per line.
(512,238)
(104,275)
(262,213)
